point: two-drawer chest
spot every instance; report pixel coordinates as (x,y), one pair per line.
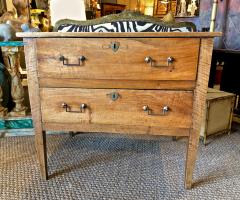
(132,83)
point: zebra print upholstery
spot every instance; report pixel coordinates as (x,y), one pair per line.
(124,22)
(122,26)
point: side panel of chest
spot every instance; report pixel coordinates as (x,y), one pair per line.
(118,58)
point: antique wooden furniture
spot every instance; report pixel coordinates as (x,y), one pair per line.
(111,8)
(219,113)
(133,83)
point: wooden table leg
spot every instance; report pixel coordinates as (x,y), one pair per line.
(199,105)
(191,158)
(41,148)
(40,135)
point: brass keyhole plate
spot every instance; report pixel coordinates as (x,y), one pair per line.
(114,96)
(115,46)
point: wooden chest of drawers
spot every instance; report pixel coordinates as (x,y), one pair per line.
(134,83)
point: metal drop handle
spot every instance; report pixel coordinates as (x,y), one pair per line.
(165,110)
(82,108)
(64,60)
(152,62)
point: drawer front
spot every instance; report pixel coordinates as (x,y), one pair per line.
(118,58)
(123,107)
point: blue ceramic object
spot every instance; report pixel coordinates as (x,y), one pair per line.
(26,28)
(7,32)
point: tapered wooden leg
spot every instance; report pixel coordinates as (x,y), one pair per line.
(40,142)
(199,105)
(191,158)
(34,96)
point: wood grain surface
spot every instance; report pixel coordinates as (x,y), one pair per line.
(119,35)
(117,84)
(126,110)
(113,128)
(33,90)
(127,63)
(199,106)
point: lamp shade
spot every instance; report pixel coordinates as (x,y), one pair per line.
(71,9)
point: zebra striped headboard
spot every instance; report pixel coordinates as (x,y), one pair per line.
(122,26)
(124,22)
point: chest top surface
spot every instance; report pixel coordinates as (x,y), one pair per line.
(113,35)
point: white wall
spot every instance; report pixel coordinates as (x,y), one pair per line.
(67,9)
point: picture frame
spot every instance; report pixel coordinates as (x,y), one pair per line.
(162,7)
(179,8)
(192,8)
(42,4)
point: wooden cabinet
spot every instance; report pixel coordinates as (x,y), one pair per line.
(111,8)
(134,83)
(219,113)
(161,8)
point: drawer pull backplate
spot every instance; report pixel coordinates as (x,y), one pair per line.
(67,108)
(81,59)
(152,62)
(149,111)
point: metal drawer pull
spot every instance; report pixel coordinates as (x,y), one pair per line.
(83,106)
(81,59)
(152,62)
(165,110)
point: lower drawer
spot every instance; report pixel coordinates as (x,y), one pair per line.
(123,107)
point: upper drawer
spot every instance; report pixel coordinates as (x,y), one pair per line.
(118,58)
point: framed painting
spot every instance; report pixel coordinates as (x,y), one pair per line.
(42,4)
(180,8)
(188,8)
(162,7)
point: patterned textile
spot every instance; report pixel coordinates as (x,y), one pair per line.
(122,26)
